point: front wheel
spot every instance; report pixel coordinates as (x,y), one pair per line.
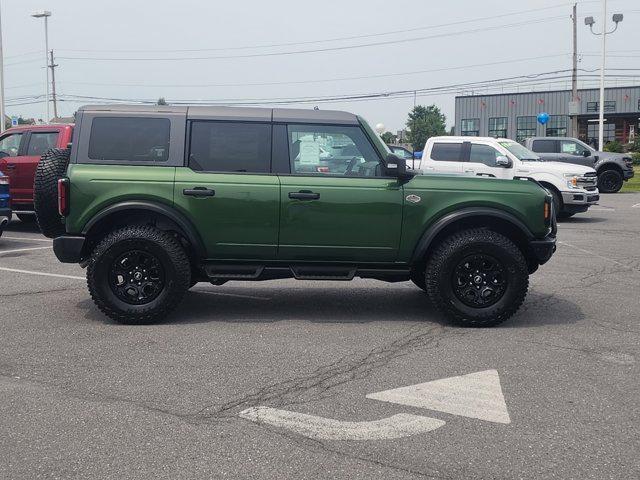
(610,181)
(478,278)
(138,274)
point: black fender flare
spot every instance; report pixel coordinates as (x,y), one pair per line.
(439,225)
(185,224)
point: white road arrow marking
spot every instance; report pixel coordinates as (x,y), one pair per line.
(396,426)
(476,395)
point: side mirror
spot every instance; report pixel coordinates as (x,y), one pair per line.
(504,162)
(586,153)
(397,167)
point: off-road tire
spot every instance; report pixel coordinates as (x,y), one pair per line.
(26,217)
(610,181)
(171,255)
(439,277)
(418,279)
(51,167)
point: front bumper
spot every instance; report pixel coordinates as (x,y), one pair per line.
(69,249)
(628,174)
(542,250)
(579,200)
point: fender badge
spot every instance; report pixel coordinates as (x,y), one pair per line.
(413,198)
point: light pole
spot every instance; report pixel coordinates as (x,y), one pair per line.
(1,78)
(617,18)
(45,14)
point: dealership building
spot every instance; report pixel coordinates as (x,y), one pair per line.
(514,115)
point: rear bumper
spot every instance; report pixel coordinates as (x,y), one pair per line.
(68,249)
(543,249)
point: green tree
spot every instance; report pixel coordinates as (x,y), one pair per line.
(423,123)
(388,137)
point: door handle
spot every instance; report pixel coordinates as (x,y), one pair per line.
(469,171)
(304,195)
(198,192)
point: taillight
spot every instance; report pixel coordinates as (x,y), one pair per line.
(63,196)
(4,180)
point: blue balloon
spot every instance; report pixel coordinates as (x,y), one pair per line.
(543,118)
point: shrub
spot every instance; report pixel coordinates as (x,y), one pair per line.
(614,146)
(636,158)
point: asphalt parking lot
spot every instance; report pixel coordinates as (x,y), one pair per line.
(82,397)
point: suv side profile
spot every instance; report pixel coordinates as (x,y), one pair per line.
(20,150)
(613,169)
(155,199)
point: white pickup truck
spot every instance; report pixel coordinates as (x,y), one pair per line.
(574,187)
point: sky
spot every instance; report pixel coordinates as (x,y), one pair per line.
(263,52)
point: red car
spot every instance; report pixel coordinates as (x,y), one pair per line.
(20,150)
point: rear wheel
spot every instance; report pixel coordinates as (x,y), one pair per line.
(138,274)
(478,278)
(52,167)
(610,181)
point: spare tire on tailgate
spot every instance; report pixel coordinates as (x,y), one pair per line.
(52,167)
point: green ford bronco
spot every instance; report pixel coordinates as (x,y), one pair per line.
(155,199)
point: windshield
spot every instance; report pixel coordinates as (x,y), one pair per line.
(379,143)
(520,152)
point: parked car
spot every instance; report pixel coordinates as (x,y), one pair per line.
(573,186)
(613,169)
(20,150)
(150,214)
(5,205)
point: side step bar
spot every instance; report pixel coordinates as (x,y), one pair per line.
(217,272)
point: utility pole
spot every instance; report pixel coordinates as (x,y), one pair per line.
(2,126)
(53,66)
(574,75)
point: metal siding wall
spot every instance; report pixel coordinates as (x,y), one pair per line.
(526,104)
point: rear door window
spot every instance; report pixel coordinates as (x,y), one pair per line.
(230,147)
(544,146)
(447,152)
(134,139)
(40,142)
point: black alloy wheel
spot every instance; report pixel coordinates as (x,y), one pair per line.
(136,277)
(479,280)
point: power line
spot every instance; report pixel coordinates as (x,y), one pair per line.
(325,80)
(327,40)
(319,50)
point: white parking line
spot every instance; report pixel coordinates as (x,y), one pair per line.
(2,252)
(588,252)
(637,205)
(28,239)
(29,272)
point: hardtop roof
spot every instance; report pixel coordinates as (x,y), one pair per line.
(289,115)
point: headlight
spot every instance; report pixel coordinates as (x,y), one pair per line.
(572,180)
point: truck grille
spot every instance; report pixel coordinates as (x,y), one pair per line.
(588,181)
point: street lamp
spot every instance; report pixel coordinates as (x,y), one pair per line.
(45,14)
(589,21)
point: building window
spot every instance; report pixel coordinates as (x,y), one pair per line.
(609,106)
(557,126)
(498,127)
(525,127)
(609,133)
(470,127)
